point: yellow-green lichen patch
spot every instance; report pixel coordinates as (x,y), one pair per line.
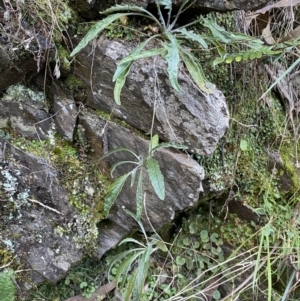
(6,255)
(85,184)
(74,83)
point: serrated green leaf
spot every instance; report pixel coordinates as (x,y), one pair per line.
(195,70)
(121,163)
(154,141)
(218,61)
(139,196)
(131,240)
(173,59)
(113,192)
(133,174)
(156,177)
(166,3)
(129,8)
(95,30)
(120,81)
(142,273)
(190,35)
(142,55)
(124,267)
(217,31)
(7,286)
(119,149)
(123,65)
(130,287)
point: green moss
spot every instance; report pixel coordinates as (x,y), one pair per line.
(289,167)
(51,18)
(74,83)
(64,57)
(83,180)
(6,256)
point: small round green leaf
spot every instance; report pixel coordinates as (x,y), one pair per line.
(216,295)
(204,236)
(180,260)
(243,145)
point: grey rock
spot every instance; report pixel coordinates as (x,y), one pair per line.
(182,175)
(14,67)
(224,6)
(191,117)
(25,112)
(36,209)
(199,7)
(64,110)
(111,234)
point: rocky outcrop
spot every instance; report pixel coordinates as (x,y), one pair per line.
(182,177)
(91,9)
(64,110)
(36,216)
(14,70)
(25,112)
(225,6)
(192,118)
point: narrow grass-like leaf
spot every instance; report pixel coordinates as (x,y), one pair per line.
(191,36)
(120,81)
(217,31)
(139,196)
(131,240)
(195,70)
(113,192)
(142,55)
(154,141)
(132,8)
(119,149)
(287,71)
(121,163)
(269,269)
(133,174)
(95,30)
(138,221)
(173,59)
(123,65)
(257,264)
(125,266)
(156,177)
(130,287)
(142,272)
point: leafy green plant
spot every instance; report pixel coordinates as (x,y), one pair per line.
(148,163)
(171,44)
(7,286)
(126,275)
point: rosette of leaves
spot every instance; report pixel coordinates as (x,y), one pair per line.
(148,163)
(170,40)
(170,47)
